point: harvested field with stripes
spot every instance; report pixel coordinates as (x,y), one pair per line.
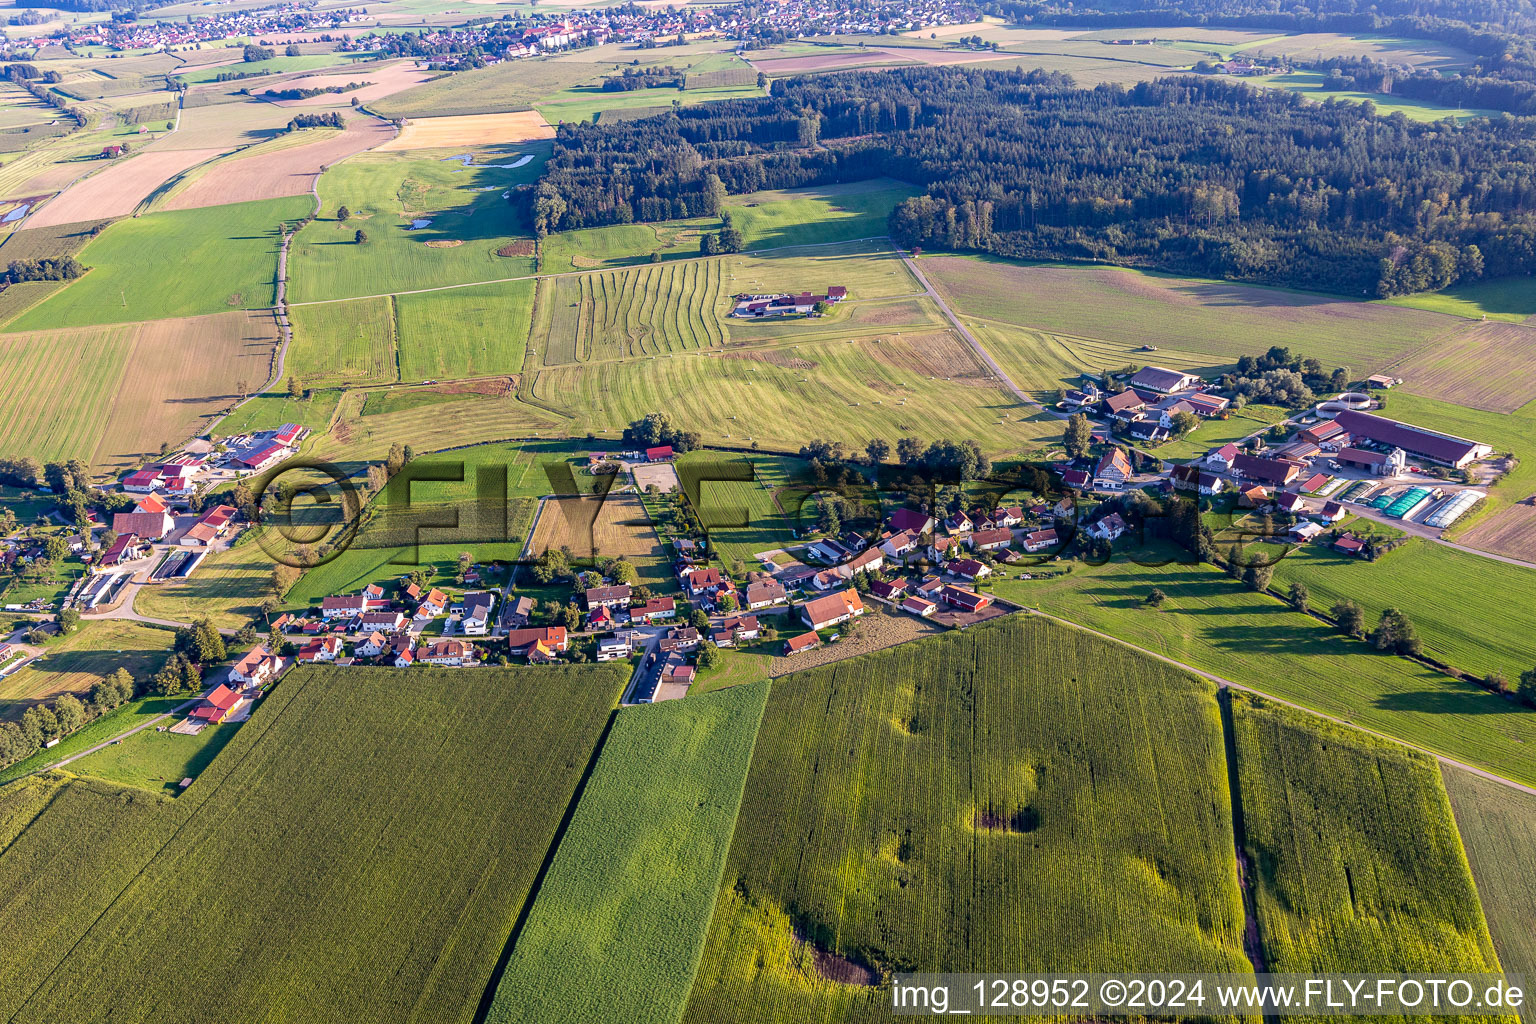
(599,527)
(642,311)
(119,189)
(1486,366)
(287,172)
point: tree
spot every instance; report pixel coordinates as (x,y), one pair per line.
(1395,633)
(572,618)
(70,713)
(623,572)
(1077,435)
(1256,577)
(909,450)
(1498,682)
(1350,617)
(343,214)
(1156,597)
(877,449)
(1185,423)
(255,53)
(360,237)
(284,577)
(201,642)
(1236,560)
(295,389)
(1527,688)
(245,636)
(292,50)
(69,620)
(709,656)
(1298,596)
(700,620)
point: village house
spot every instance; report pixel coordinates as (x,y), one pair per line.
(919,606)
(991,540)
(823,612)
(889,590)
(515,614)
(1113,471)
(608,597)
(254,667)
(1221,459)
(1291,502)
(344,606)
(433,604)
(521,641)
(656,608)
(149,526)
(1040,540)
(701,581)
(906,520)
(1348,544)
(1256,496)
(1193,478)
(970,569)
(1111,527)
(384,622)
(958,523)
(763,594)
(615,648)
(868,561)
(476,620)
(1078,479)
(944,548)
(210,526)
(1124,406)
(1331,512)
(679,638)
(1206,405)
(372,646)
(803,642)
(751,307)
(964,599)
(1271,472)
(325,649)
(401,653)
(449,653)
(898,545)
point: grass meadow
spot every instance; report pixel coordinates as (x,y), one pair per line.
(618,927)
(338,343)
(1508,299)
(465,332)
(157,761)
(386,193)
(1498,831)
(1356,855)
(79,661)
(227,586)
(957,758)
(501,88)
(135,712)
(331,845)
(1462,604)
(235,256)
(1215,624)
(643,311)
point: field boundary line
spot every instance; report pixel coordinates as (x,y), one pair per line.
(1224,683)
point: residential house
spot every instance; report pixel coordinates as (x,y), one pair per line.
(1040,540)
(803,642)
(657,608)
(210,526)
(615,648)
(958,523)
(1270,472)
(944,548)
(1076,478)
(1113,471)
(868,561)
(520,641)
(1256,496)
(433,604)
(515,613)
(1291,502)
(383,622)
(822,612)
(679,638)
(1221,459)
(899,545)
(1125,405)
(476,620)
(1207,405)
(970,569)
(345,606)
(991,540)
(1331,512)
(325,649)
(1111,527)
(742,627)
(371,646)
(929,586)
(891,590)
(450,653)
(827,579)
(906,520)
(1011,516)
(763,594)
(401,652)
(608,597)
(254,667)
(374,594)
(701,581)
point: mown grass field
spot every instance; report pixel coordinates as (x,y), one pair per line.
(788,217)
(235,255)
(275,66)
(1310,84)
(619,923)
(386,193)
(1214,319)
(135,712)
(619,313)
(585,102)
(1015,758)
(333,847)
(1214,433)
(1509,299)
(433,426)
(741,516)
(157,761)
(1355,852)
(79,661)
(1498,832)
(1469,610)
(227,586)
(1215,624)
(465,332)
(274,408)
(71,376)
(343,343)
(501,88)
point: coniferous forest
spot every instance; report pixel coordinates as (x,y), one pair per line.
(1197,175)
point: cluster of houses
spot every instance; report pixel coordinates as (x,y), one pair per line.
(756,307)
(1147,409)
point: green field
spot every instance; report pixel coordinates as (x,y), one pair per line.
(741,516)
(1184,318)
(1355,852)
(318,831)
(72,376)
(1083,781)
(790,217)
(1511,299)
(276,66)
(274,408)
(1215,624)
(227,587)
(386,193)
(465,332)
(1468,609)
(75,663)
(1214,433)
(234,255)
(501,88)
(343,343)
(157,761)
(1498,830)
(1310,85)
(619,923)
(587,102)
(101,729)
(638,312)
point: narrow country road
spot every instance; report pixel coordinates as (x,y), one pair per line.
(970,339)
(1225,683)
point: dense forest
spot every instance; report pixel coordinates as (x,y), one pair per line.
(1197,175)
